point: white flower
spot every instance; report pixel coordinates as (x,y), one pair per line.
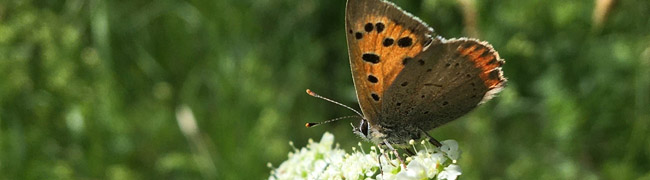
(451,172)
(414,170)
(320,160)
(450,147)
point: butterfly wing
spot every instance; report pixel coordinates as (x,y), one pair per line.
(380,37)
(444,82)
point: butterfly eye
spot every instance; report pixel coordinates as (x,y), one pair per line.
(364,127)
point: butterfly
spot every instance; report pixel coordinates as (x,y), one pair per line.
(408,80)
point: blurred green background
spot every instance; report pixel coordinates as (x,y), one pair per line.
(168,89)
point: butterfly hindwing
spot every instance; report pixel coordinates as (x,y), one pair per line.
(380,37)
(442,83)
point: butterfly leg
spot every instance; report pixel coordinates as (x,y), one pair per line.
(431,139)
(396,154)
(387,159)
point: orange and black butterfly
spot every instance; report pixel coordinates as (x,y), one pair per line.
(409,80)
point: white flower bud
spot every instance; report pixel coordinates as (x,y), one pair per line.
(320,160)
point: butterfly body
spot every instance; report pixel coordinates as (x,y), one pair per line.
(407,79)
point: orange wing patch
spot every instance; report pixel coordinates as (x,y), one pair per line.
(487,60)
(383,48)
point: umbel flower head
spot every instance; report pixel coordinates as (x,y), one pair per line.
(322,160)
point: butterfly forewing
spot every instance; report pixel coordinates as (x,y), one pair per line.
(381,39)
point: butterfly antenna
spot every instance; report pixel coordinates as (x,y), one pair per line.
(312,93)
(312,124)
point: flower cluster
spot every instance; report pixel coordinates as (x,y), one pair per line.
(322,160)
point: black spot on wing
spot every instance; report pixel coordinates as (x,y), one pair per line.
(368,27)
(358,35)
(494,74)
(374,96)
(372,79)
(380,27)
(405,42)
(485,53)
(388,42)
(370,57)
(406,60)
(492,60)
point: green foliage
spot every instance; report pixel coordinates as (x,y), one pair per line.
(94,89)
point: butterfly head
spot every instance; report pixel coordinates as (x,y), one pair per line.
(363,130)
(378,134)
(398,136)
